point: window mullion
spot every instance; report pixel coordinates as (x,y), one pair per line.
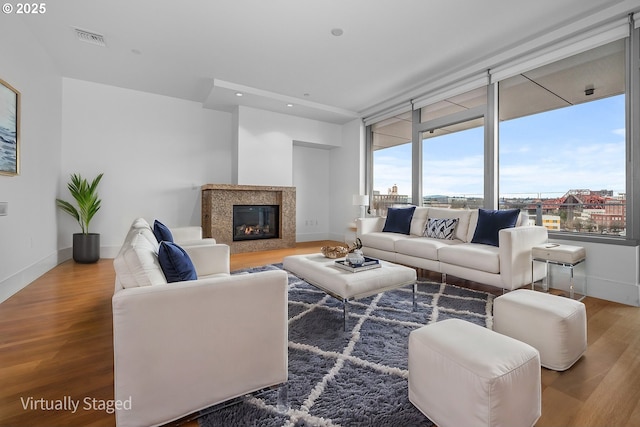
(491,148)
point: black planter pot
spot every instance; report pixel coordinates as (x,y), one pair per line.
(86,248)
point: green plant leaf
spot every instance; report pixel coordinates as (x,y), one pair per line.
(86,197)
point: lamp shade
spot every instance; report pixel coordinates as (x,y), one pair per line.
(360,200)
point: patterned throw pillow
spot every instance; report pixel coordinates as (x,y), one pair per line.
(440,228)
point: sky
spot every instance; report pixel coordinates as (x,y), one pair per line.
(547,154)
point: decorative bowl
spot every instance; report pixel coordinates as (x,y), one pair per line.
(334,251)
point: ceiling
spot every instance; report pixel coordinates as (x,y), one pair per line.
(279,52)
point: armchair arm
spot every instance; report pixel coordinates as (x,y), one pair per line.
(184,346)
(369,225)
(515,253)
(181,234)
(209,259)
(191,235)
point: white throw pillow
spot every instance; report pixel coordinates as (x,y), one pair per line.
(441,228)
(137,263)
(461,214)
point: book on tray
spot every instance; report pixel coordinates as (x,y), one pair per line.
(368,264)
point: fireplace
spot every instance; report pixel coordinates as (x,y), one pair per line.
(254,222)
(218,201)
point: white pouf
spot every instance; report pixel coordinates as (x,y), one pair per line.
(556,326)
(461,374)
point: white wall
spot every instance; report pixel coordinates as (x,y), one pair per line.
(155,153)
(28,232)
(347,179)
(611,271)
(282,150)
(265,144)
(311,178)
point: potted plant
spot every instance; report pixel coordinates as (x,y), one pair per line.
(86,246)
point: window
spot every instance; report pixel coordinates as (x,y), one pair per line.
(391,145)
(562,142)
(453,165)
(453,151)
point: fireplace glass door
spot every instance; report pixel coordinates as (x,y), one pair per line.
(251,222)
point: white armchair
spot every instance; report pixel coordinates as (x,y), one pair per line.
(184,346)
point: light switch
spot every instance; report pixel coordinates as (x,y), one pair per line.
(4,208)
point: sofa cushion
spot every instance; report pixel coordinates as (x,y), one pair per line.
(137,262)
(462,215)
(162,232)
(175,263)
(139,223)
(490,222)
(382,241)
(399,220)
(440,228)
(471,255)
(422,247)
(418,221)
(523,220)
(140,227)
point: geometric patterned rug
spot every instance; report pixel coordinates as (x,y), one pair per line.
(356,377)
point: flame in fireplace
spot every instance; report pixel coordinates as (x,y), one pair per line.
(252,230)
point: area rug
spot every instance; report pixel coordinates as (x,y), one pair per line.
(356,377)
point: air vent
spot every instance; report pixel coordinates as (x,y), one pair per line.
(89,37)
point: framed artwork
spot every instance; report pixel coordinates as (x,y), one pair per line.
(9,130)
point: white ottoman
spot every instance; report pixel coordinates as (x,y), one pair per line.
(321,272)
(556,326)
(461,374)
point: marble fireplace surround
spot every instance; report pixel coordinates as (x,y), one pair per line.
(217,214)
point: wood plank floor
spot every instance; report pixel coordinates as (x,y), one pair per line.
(56,344)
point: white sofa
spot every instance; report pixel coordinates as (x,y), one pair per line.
(183,346)
(506,266)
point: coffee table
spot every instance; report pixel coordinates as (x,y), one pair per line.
(321,272)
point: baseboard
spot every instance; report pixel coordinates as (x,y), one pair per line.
(109,251)
(623,293)
(347,238)
(21,279)
(310,237)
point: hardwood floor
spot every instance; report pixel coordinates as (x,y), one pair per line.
(56,345)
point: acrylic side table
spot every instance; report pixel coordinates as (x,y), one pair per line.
(564,256)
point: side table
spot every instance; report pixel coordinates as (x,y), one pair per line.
(564,256)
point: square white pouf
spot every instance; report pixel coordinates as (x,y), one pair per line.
(556,326)
(461,374)
(564,254)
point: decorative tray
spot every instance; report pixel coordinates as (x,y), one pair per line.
(369,264)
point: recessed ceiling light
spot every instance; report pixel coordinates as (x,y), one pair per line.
(289,105)
(239,93)
(337,32)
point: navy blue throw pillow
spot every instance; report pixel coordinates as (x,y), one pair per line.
(175,263)
(162,232)
(490,222)
(399,220)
